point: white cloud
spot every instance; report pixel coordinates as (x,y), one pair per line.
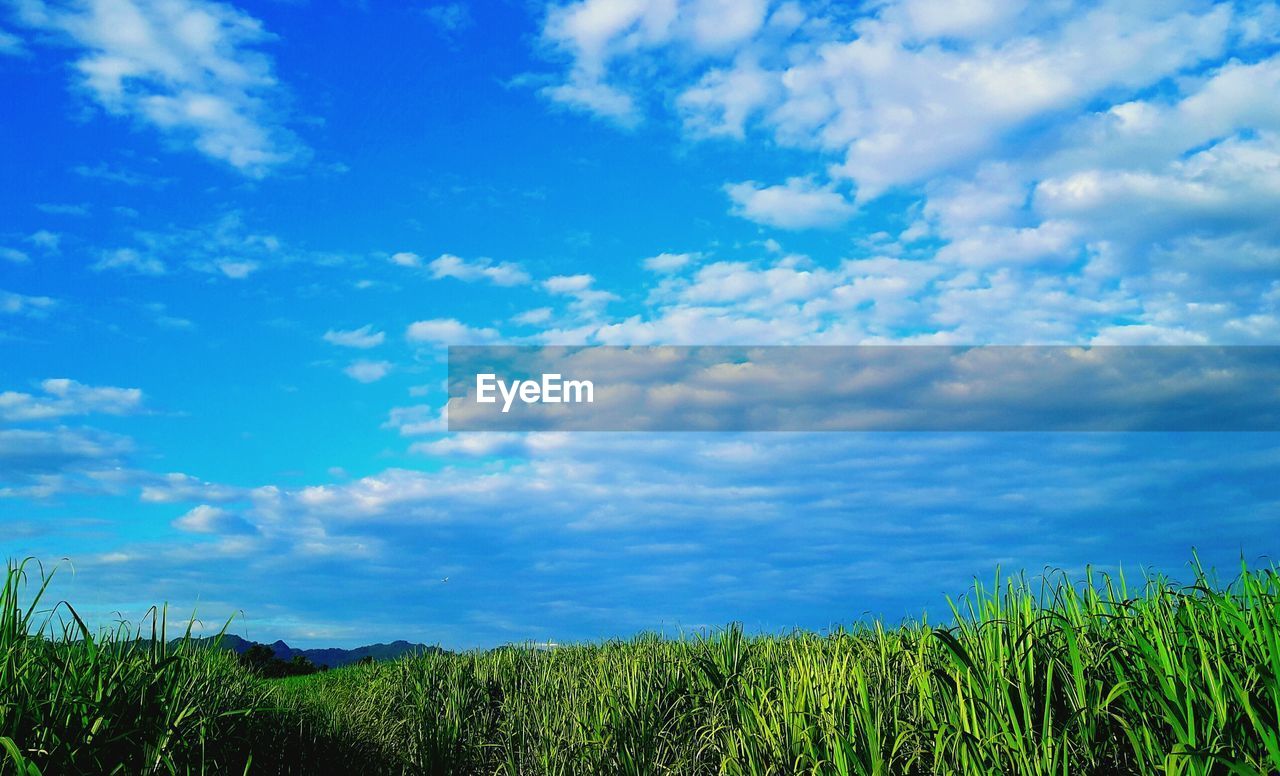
(368,371)
(784,301)
(717,25)
(11,45)
(725,99)
(45,240)
(1041,220)
(63,397)
(40,463)
(587,300)
(175,487)
(119,174)
(417,420)
(1232,186)
(364,337)
(406,259)
(62,209)
(585,30)
(1260,24)
(1147,334)
(1150,133)
(568,284)
(500,274)
(472,445)
(970,298)
(207,519)
(188,68)
(669,262)
(595,97)
(797,204)
(928,19)
(129,260)
(902,91)
(986,245)
(599,33)
(237,270)
(534,317)
(21,304)
(226,247)
(448,331)
(901,112)
(14,255)
(607,508)
(449,18)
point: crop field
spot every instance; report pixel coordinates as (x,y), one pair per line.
(1056,676)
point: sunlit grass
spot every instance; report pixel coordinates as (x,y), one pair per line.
(115,701)
(1051,677)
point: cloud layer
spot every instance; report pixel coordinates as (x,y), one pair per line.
(1090,172)
(190,69)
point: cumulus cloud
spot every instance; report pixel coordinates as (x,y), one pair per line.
(207,519)
(14,256)
(669,262)
(177,487)
(448,331)
(988,245)
(40,463)
(796,204)
(535,317)
(905,91)
(725,99)
(365,371)
(227,247)
(784,300)
(22,304)
(417,420)
(464,445)
(237,270)
(130,260)
(364,337)
(597,34)
(587,299)
(449,18)
(1231,187)
(63,209)
(568,284)
(791,299)
(1070,170)
(62,397)
(500,274)
(45,240)
(406,259)
(604,506)
(191,69)
(596,97)
(122,175)
(37,450)
(11,45)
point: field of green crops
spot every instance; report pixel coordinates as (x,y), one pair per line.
(1061,676)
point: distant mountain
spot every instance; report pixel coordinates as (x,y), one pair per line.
(331,656)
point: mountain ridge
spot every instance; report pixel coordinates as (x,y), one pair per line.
(333,657)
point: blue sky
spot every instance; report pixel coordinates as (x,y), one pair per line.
(235,240)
